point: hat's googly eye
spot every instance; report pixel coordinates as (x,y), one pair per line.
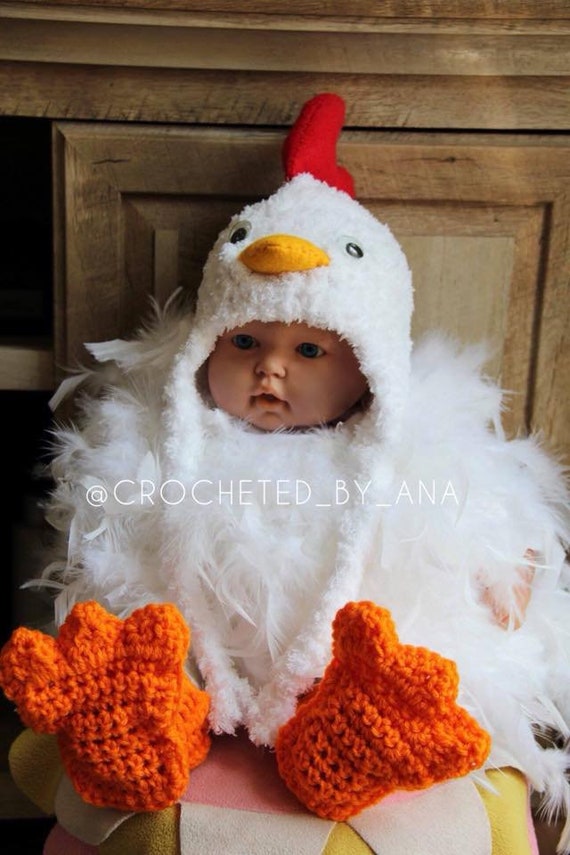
(240,231)
(354,250)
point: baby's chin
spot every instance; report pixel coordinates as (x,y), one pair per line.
(272,422)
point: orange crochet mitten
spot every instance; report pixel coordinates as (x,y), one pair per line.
(382,718)
(129,722)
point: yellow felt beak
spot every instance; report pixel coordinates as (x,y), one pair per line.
(283,254)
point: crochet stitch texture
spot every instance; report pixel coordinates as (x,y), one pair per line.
(382,718)
(129,722)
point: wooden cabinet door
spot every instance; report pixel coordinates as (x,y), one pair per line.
(484,219)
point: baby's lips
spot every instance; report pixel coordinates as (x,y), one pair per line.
(267,394)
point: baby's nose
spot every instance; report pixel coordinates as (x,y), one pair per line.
(271,364)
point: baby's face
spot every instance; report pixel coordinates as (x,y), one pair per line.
(276,375)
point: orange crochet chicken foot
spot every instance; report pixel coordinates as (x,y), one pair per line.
(382,718)
(130,724)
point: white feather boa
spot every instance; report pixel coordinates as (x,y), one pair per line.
(455,507)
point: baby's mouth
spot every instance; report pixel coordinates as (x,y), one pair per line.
(267,398)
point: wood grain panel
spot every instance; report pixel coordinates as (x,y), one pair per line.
(523,9)
(255,98)
(341,51)
(475,271)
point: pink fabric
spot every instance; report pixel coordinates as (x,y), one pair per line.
(59,841)
(238,775)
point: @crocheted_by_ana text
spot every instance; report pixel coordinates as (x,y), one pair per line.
(264,491)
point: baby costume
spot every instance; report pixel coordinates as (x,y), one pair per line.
(341,584)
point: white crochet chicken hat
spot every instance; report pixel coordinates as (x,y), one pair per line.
(311,253)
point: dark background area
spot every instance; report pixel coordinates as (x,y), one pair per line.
(24,429)
(26,298)
(26,289)
(26,265)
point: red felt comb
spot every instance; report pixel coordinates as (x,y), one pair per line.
(311,143)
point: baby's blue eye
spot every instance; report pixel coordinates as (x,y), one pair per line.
(311,351)
(243,341)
